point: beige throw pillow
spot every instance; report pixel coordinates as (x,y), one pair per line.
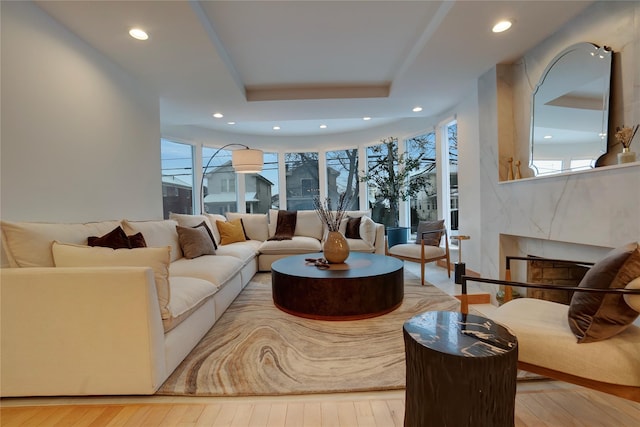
(65,255)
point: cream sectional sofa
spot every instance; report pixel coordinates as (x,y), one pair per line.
(308,235)
(80,320)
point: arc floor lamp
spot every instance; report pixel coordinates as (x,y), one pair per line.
(247,160)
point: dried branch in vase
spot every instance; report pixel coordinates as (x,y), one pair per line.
(326,213)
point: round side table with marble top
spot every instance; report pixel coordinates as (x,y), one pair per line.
(461,371)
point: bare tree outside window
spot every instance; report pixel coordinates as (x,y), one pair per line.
(342,176)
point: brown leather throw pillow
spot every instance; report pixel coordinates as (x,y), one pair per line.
(353,228)
(595,317)
(118,239)
(286,225)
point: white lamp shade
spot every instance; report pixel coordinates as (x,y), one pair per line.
(247,160)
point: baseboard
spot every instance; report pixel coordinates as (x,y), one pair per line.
(477,298)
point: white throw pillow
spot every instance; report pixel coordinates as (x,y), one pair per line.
(157,234)
(368,230)
(28,244)
(256,226)
(65,255)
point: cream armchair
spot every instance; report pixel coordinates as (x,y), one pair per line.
(552,341)
(427,250)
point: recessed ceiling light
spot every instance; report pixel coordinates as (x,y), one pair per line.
(231,123)
(323,126)
(366,118)
(139,34)
(218,115)
(547,137)
(501,26)
(417,109)
(276,128)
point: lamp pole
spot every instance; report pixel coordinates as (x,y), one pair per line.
(204,170)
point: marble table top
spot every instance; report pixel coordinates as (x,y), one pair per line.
(458,334)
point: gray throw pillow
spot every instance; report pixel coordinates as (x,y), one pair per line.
(195,241)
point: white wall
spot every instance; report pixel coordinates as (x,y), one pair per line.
(575,216)
(80,139)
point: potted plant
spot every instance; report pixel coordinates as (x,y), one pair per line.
(388,174)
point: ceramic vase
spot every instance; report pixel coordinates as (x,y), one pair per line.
(335,248)
(627,156)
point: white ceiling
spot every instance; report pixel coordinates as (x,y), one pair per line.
(300,64)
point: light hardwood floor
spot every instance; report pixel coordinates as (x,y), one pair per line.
(538,403)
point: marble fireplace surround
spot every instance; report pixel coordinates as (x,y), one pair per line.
(577,216)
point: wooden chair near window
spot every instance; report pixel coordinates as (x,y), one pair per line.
(428,250)
(549,346)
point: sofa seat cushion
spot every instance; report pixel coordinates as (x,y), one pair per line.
(28,244)
(217,269)
(158,233)
(297,245)
(411,250)
(244,251)
(187,295)
(359,245)
(545,339)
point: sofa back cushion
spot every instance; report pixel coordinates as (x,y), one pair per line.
(157,233)
(186,220)
(213,218)
(366,229)
(66,255)
(256,226)
(28,244)
(308,224)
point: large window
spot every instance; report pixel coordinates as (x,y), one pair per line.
(424,206)
(261,189)
(302,180)
(219,183)
(177,177)
(342,176)
(452,150)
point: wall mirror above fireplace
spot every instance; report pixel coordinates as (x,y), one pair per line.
(570,111)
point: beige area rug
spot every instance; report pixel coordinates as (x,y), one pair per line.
(256,349)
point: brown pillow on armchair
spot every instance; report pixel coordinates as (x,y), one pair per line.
(431,239)
(595,317)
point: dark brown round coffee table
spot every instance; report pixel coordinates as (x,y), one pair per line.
(366,285)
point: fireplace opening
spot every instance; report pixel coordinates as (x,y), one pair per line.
(555,273)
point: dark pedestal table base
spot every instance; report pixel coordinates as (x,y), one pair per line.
(461,371)
(366,285)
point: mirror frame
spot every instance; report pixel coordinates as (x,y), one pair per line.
(589,49)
